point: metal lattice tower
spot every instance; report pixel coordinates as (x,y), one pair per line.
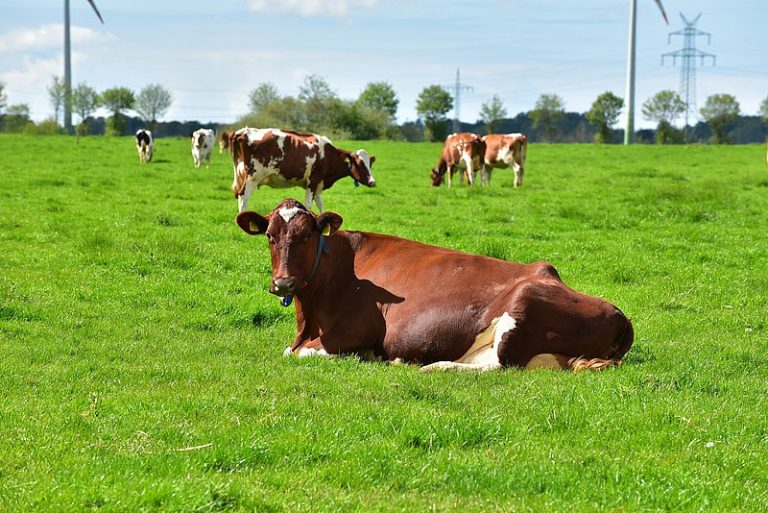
(688,55)
(457,88)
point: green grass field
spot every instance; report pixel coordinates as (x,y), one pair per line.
(141,363)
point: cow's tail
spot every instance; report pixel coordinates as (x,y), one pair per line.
(621,345)
(523,150)
(618,349)
(576,363)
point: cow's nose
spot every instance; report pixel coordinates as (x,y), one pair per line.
(371,182)
(283,284)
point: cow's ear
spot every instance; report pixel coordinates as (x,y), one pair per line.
(252,223)
(373,159)
(329,222)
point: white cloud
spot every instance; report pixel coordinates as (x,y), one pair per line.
(307,8)
(28,84)
(48,36)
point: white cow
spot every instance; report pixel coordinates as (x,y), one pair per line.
(145,144)
(203,140)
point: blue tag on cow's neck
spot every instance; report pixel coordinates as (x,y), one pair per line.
(286,301)
(357,184)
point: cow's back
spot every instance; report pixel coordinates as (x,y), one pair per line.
(447,297)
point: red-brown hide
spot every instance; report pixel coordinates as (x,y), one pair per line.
(402,299)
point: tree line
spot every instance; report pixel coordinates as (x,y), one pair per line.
(151,104)
(372,115)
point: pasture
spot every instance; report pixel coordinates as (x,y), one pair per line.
(140,353)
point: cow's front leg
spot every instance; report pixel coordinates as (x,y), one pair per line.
(308,197)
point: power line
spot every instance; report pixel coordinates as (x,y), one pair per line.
(458,87)
(688,55)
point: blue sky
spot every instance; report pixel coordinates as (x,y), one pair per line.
(211,54)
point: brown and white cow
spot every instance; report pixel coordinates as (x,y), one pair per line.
(203,140)
(462,152)
(504,151)
(279,158)
(396,299)
(145,145)
(224,141)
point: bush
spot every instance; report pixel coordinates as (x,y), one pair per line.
(45,127)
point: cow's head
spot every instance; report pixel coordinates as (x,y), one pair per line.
(437,176)
(359,164)
(224,141)
(294,234)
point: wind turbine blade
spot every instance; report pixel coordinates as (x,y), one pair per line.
(661,8)
(99,14)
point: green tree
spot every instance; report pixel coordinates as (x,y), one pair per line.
(718,111)
(433,103)
(315,88)
(116,100)
(46,127)
(664,108)
(491,112)
(319,100)
(287,112)
(603,115)
(354,121)
(16,118)
(3,98)
(264,94)
(56,95)
(152,103)
(548,112)
(379,96)
(85,101)
(764,109)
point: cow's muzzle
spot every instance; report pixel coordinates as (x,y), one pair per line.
(371,182)
(283,287)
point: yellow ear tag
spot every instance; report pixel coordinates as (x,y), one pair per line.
(327,230)
(254,227)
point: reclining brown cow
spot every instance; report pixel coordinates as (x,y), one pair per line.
(396,299)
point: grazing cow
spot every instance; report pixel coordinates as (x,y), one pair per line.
(224,141)
(145,145)
(503,151)
(396,299)
(461,152)
(202,146)
(288,159)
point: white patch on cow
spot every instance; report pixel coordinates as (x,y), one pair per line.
(242,201)
(309,164)
(288,213)
(321,142)
(484,353)
(305,352)
(466,158)
(505,155)
(367,161)
(463,367)
(288,351)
